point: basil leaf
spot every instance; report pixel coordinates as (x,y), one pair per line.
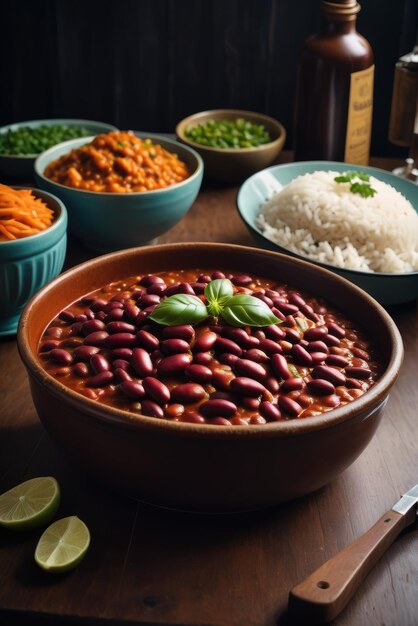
(179,309)
(245,310)
(217,292)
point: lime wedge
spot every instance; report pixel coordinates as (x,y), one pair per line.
(30,504)
(62,545)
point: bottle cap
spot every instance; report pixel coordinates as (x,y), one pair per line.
(340,9)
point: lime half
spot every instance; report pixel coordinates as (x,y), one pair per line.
(62,545)
(30,504)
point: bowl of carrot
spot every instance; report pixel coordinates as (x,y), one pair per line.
(33,241)
(122,189)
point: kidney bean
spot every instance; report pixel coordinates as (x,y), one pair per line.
(301,356)
(223,395)
(150,279)
(120,340)
(251,342)
(336,330)
(292,383)
(184,331)
(274,332)
(120,327)
(358,372)
(295,298)
(98,305)
(145,339)
(272,384)
(174,363)
(122,353)
(202,358)
(281,316)
(121,374)
(246,367)
(89,393)
(292,335)
(66,316)
(270,411)
(84,353)
(156,289)
(192,418)
(99,363)
(331,340)
(250,404)
(141,362)
(54,331)
(48,345)
(304,400)
(285,307)
(320,387)
(92,326)
(241,279)
(198,288)
(280,366)
(317,346)
(269,346)
(115,315)
(131,311)
(100,380)
(60,356)
(81,370)
(148,300)
(362,354)
(238,421)
(247,386)
(334,376)
(198,373)
(205,342)
(81,317)
(174,410)
(263,298)
(353,383)
(71,342)
(337,360)
(97,338)
(257,420)
(238,335)
(186,288)
(290,321)
(308,312)
(120,363)
(187,393)
(151,409)
(174,346)
(218,408)
(223,344)
(316,333)
(156,390)
(171,290)
(332,401)
(318,357)
(254,354)
(227,358)
(259,334)
(219,421)
(133,389)
(289,406)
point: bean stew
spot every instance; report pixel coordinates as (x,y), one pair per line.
(106,347)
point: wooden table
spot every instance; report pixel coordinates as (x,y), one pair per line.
(148,566)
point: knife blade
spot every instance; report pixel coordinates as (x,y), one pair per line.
(325,593)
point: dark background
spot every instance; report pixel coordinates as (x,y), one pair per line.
(145,64)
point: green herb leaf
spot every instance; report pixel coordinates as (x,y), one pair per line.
(245,310)
(363,188)
(293,370)
(217,292)
(179,309)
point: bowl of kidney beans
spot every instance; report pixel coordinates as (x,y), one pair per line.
(221,414)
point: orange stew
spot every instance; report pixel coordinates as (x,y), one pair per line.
(106,347)
(118,162)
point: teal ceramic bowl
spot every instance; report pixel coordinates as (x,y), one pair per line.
(28,264)
(113,221)
(16,166)
(388,289)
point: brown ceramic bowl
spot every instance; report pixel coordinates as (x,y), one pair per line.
(204,467)
(234,165)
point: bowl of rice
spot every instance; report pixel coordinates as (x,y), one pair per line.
(360,222)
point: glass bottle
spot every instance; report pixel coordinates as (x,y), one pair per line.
(334,99)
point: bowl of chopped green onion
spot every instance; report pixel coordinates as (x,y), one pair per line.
(233,143)
(22,142)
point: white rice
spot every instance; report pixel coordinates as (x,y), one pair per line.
(321,219)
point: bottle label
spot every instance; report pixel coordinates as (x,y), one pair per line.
(359,121)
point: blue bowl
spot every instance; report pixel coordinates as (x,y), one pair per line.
(388,289)
(21,166)
(112,221)
(27,264)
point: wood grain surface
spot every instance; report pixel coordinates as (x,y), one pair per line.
(150,566)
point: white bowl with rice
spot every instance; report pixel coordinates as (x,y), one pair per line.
(367,233)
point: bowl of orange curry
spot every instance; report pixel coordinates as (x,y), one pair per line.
(122,189)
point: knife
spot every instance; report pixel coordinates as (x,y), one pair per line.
(324,594)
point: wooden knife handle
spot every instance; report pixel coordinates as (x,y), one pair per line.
(322,596)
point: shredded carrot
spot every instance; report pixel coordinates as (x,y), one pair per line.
(21,214)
